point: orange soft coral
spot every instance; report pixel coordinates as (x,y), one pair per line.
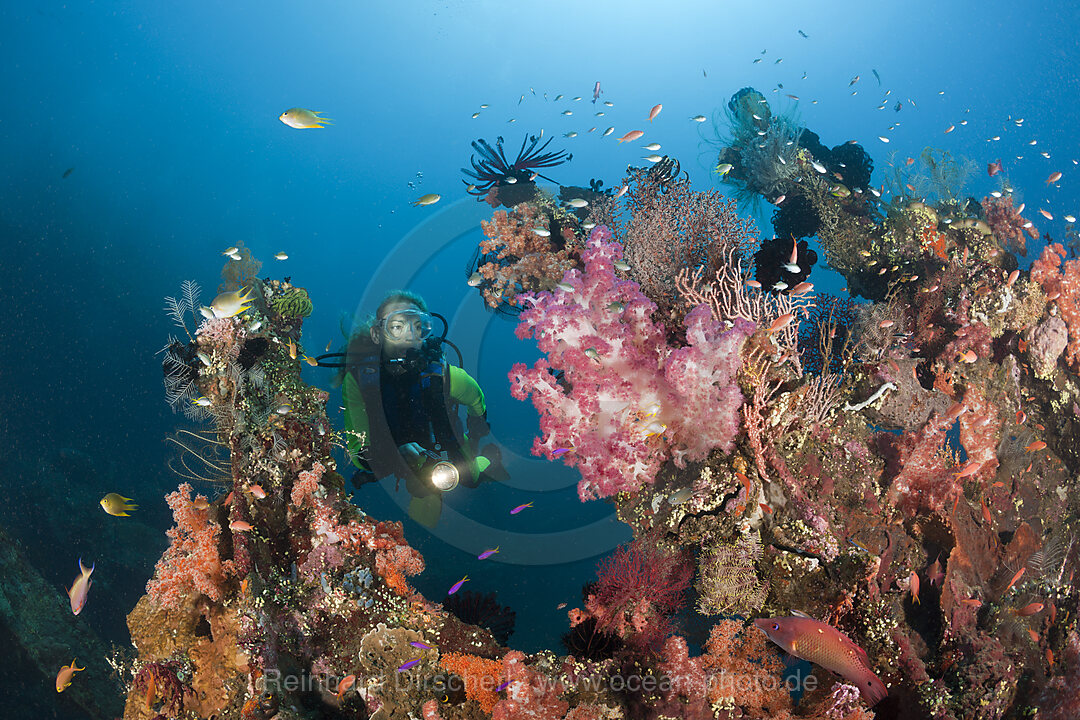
(518,259)
(745,670)
(481,677)
(191,566)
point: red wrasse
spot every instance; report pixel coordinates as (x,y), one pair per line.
(826,646)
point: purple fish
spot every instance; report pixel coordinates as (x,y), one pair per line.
(519,508)
(487,553)
(596,92)
(502,687)
(559,451)
(406,666)
(422,646)
(457,585)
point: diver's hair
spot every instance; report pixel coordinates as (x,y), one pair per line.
(431,349)
(396,296)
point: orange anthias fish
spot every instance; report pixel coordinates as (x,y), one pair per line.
(347,682)
(151,691)
(631,136)
(970,469)
(824,645)
(781,322)
(63,678)
(80,588)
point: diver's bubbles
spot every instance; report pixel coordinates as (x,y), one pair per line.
(430,260)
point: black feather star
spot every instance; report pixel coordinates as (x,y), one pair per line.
(493,168)
(479,609)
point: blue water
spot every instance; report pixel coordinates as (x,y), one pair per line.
(166,115)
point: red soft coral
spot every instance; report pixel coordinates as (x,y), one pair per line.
(519,259)
(529,694)
(1007,224)
(1060,281)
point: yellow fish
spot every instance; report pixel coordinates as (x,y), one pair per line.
(429,199)
(231,303)
(302,119)
(116,504)
(63,678)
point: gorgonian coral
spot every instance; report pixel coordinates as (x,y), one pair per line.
(665,227)
(638,589)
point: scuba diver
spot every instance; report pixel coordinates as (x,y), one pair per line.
(401,403)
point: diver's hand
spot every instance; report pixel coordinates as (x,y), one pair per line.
(413,453)
(477,426)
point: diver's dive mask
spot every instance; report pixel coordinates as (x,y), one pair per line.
(406,324)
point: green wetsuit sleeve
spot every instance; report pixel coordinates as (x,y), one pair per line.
(356,420)
(465,390)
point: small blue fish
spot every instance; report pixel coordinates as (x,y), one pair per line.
(519,508)
(487,553)
(422,646)
(406,666)
(502,687)
(458,584)
(859,546)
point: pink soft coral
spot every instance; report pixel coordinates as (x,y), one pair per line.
(626,400)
